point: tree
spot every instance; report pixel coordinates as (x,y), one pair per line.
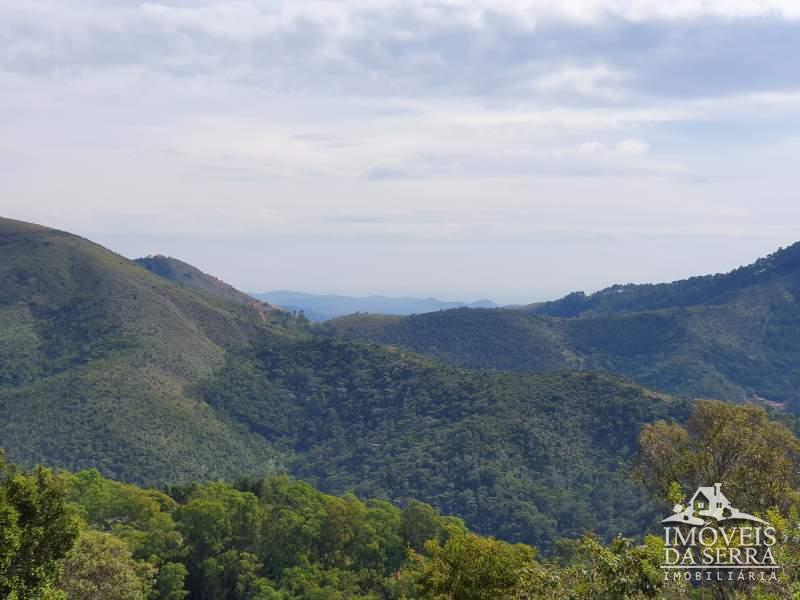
(380,545)
(623,570)
(36,531)
(469,567)
(291,531)
(620,571)
(234,575)
(339,537)
(143,518)
(736,445)
(216,519)
(9,537)
(753,457)
(169,583)
(421,523)
(101,567)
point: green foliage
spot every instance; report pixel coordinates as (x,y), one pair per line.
(620,571)
(625,570)
(282,541)
(143,518)
(104,364)
(233,575)
(468,567)
(355,550)
(101,567)
(288,541)
(171,581)
(36,531)
(736,445)
(421,523)
(754,458)
(525,457)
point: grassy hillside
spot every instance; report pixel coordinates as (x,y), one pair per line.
(107,365)
(734,336)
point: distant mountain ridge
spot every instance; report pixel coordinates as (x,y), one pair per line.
(733,336)
(321,307)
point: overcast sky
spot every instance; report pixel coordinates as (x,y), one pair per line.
(511,149)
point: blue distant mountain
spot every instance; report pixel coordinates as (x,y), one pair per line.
(321,307)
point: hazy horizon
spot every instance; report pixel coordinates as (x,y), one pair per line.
(667,258)
(723,264)
(461,149)
(718,258)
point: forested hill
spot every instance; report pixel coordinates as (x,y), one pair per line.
(95,356)
(695,291)
(733,337)
(103,364)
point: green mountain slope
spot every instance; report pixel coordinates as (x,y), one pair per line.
(734,336)
(107,365)
(95,354)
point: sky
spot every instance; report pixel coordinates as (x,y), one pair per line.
(510,149)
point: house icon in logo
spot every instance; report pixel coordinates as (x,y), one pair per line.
(711,503)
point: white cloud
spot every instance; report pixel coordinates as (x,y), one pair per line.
(598,81)
(503,48)
(592,148)
(633,146)
(246,21)
(253,17)
(249,17)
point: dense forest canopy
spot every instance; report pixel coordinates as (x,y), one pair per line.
(81,536)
